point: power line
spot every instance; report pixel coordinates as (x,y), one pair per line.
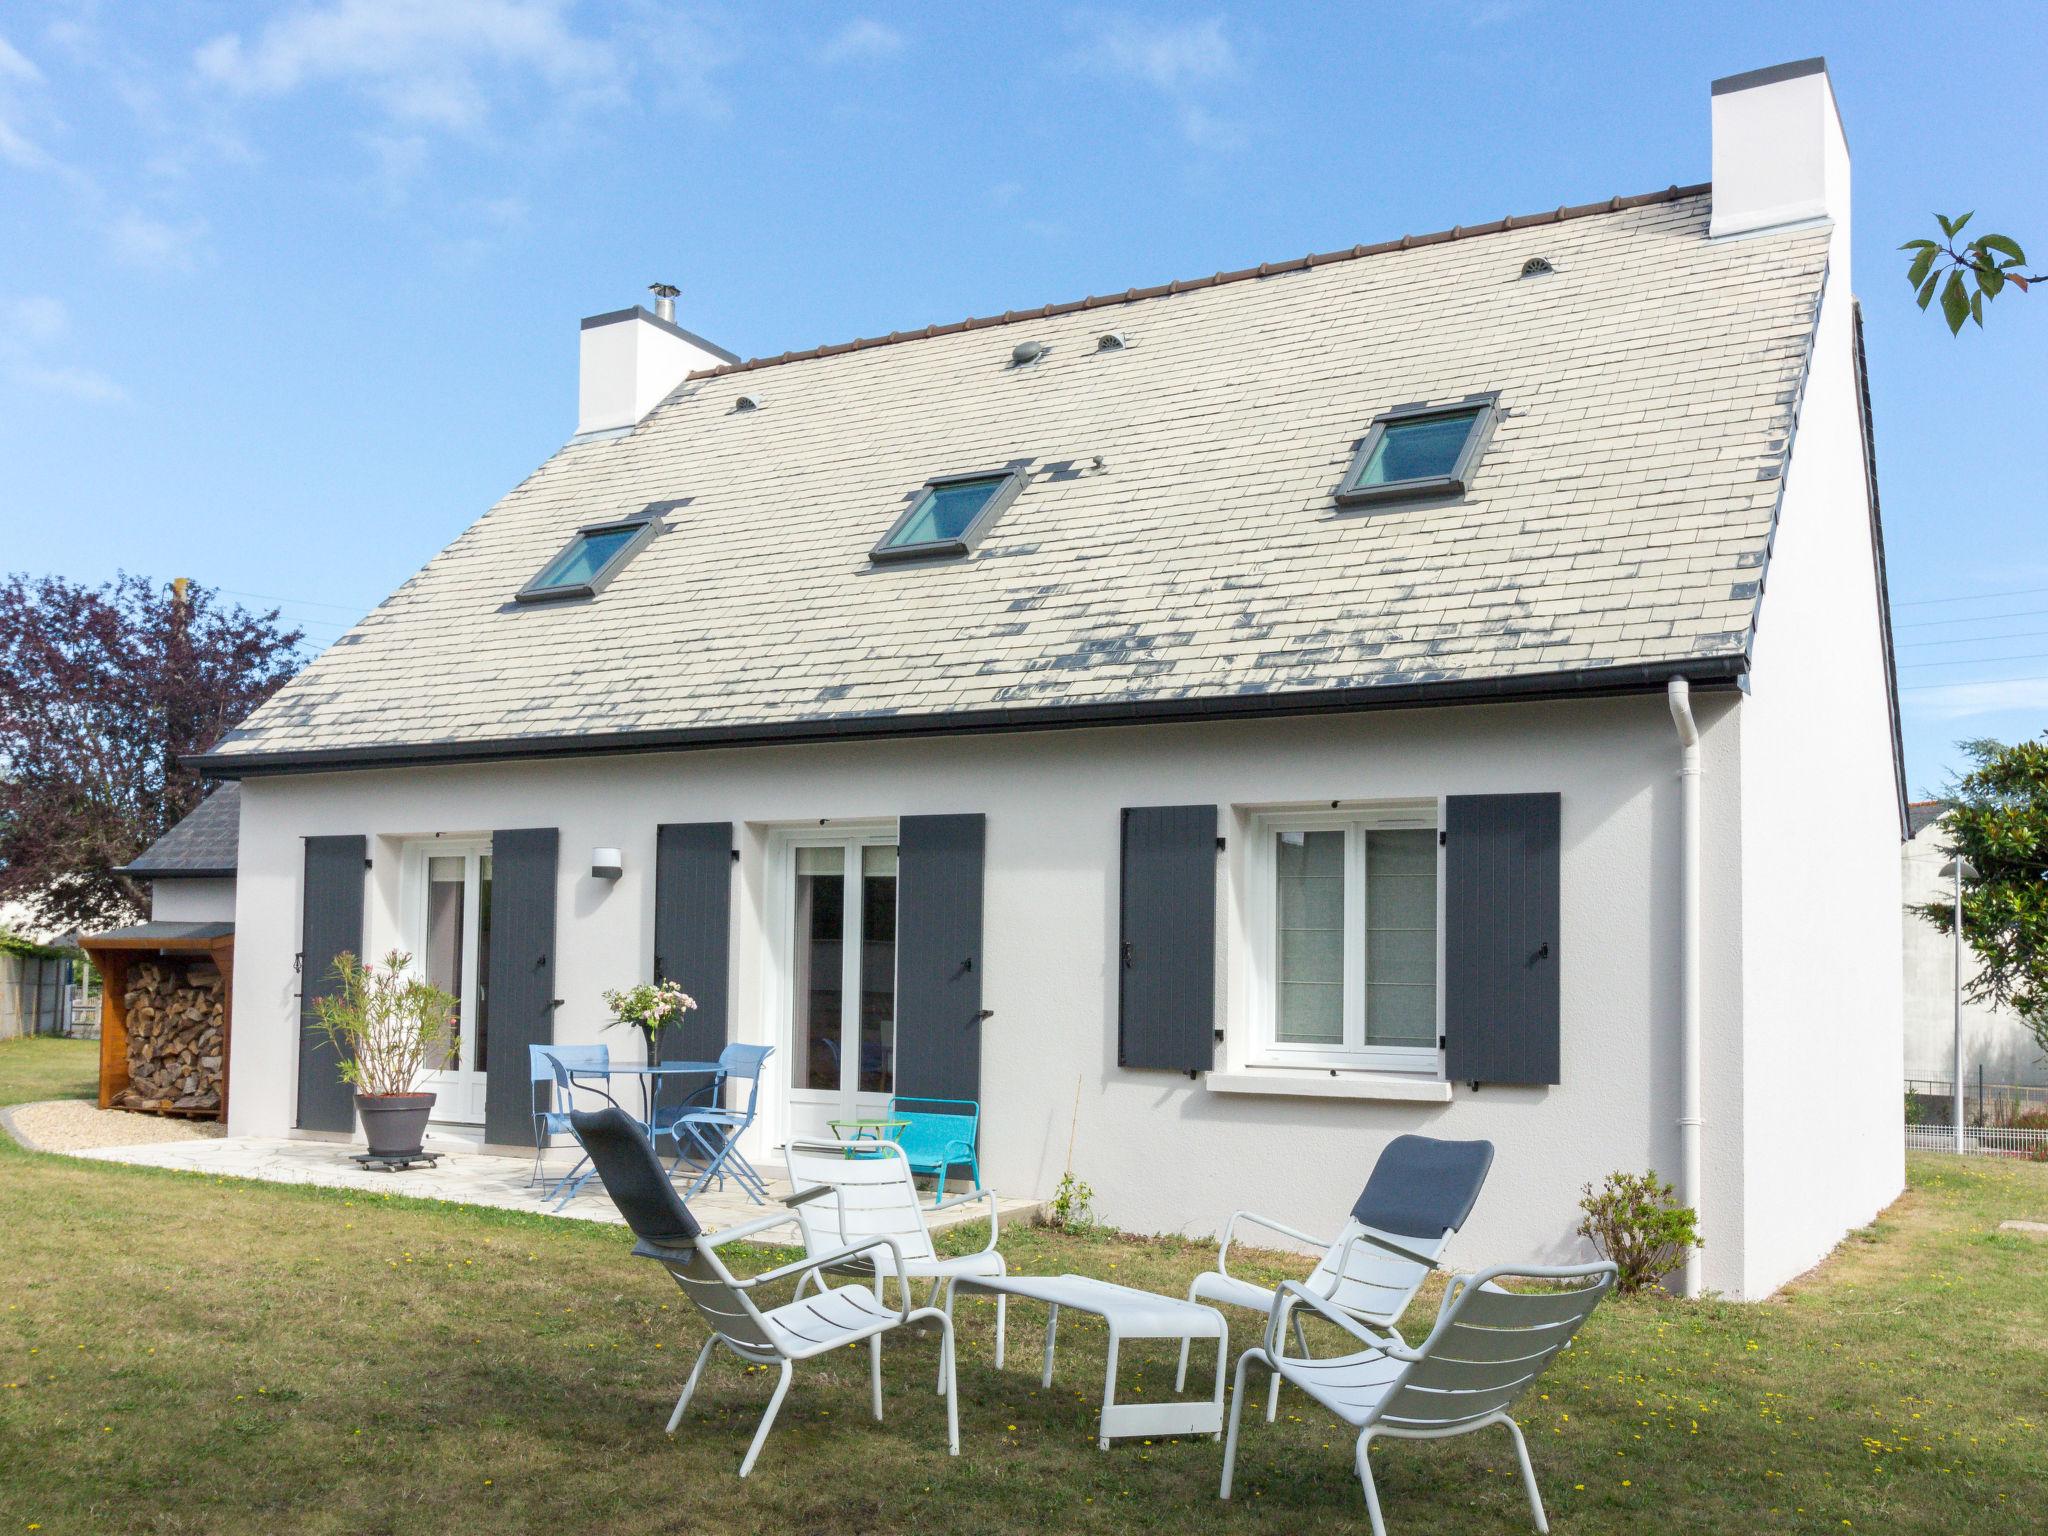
(1975,618)
(1980,661)
(1975,682)
(2023,634)
(1976,597)
(299,602)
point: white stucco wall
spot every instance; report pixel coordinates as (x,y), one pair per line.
(192,901)
(1164,1153)
(1992,1038)
(1820,837)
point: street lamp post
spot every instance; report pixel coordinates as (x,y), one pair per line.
(1958,868)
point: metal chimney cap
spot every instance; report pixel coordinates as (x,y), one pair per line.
(664,300)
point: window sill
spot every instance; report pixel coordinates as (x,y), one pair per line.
(1295,1082)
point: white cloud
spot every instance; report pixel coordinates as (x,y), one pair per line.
(78,383)
(14,65)
(1169,56)
(425,65)
(862,40)
(35,320)
(1962,701)
(18,76)
(1186,63)
(29,326)
(157,245)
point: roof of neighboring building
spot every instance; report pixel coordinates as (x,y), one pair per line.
(201,846)
(1922,814)
(1177,552)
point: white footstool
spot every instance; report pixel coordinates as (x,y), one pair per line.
(1130,1314)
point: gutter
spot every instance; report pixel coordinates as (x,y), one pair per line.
(1690,1124)
(1728,671)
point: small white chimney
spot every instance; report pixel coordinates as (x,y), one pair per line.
(631,360)
(1779,154)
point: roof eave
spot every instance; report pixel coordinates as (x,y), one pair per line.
(1723,671)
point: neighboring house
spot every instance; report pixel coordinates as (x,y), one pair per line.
(190,870)
(1996,1046)
(1238,714)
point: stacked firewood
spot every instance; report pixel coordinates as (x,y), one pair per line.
(174,1036)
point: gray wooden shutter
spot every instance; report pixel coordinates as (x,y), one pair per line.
(331,923)
(1501,939)
(693,931)
(1166,991)
(522,977)
(938,956)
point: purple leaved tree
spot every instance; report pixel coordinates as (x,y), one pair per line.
(102,691)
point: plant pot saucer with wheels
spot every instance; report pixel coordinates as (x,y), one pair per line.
(394,1124)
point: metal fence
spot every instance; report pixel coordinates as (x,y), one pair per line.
(2027,1142)
(1999,1119)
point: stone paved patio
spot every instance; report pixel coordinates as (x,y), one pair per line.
(464,1174)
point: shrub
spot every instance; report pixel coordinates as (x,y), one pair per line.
(1070,1209)
(1636,1221)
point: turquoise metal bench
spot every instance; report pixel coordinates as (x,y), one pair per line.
(938,1135)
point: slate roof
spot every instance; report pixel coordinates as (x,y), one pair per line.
(203,844)
(1177,551)
(1922,814)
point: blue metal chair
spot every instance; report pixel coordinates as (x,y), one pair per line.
(940,1134)
(540,1063)
(713,1132)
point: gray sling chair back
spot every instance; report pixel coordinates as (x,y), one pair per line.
(830,1319)
(1420,1192)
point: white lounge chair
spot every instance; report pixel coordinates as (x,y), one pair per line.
(797,1330)
(1488,1346)
(1420,1192)
(863,1192)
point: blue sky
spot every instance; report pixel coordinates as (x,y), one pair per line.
(288,294)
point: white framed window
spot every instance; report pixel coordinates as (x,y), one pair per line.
(1346,928)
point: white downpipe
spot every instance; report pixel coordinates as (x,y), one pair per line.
(1689,1121)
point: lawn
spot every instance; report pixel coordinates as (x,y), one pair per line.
(179,1354)
(45,1067)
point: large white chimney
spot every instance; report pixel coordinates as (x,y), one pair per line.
(1779,154)
(631,360)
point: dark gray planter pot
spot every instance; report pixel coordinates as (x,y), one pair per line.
(394,1123)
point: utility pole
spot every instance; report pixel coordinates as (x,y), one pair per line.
(1958,867)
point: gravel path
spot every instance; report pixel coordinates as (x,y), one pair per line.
(71,1125)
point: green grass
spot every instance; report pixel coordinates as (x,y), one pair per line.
(44,1067)
(181,1354)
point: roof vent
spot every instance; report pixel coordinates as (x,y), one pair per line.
(1536,266)
(747,403)
(664,300)
(1026,352)
(1110,341)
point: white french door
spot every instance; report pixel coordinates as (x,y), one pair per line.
(447,885)
(839,976)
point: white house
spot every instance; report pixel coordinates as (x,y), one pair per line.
(1226,724)
(1998,1049)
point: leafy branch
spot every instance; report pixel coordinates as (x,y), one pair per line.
(1967,278)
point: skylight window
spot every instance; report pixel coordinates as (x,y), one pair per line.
(1418,451)
(949,516)
(589,560)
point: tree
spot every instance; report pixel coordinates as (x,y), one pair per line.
(1969,278)
(103,691)
(1998,820)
